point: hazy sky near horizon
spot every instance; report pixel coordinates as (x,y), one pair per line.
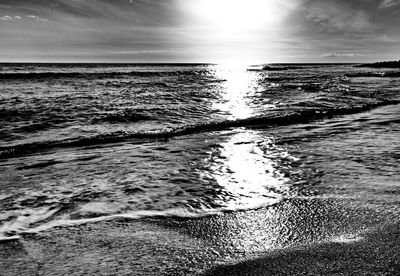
(253,31)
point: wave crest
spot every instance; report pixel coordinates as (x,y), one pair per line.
(284,118)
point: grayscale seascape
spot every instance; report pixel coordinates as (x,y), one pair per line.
(199,137)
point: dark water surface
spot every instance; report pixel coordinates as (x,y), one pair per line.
(84,143)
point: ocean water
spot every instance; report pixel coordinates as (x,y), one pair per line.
(87,142)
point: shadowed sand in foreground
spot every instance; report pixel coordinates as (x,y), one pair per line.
(295,237)
(376,254)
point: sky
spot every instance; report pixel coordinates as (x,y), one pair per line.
(204,31)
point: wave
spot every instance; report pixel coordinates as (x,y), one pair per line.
(284,118)
(392,74)
(290,66)
(383,64)
(123,117)
(48,218)
(58,75)
(275,68)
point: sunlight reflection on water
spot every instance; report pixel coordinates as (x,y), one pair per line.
(238,86)
(246,167)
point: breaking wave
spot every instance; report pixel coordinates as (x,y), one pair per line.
(305,114)
(378,74)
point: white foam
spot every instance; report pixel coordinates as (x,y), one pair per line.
(9,230)
(131,215)
(347,238)
(20,226)
(9,238)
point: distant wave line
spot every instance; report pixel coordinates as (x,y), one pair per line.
(56,75)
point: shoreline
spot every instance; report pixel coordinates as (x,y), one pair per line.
(295,236)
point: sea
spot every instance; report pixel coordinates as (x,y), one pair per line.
(91,142)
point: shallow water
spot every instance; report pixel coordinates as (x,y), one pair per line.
(91,142)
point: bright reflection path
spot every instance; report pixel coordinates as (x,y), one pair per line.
(246,166)
(238,86)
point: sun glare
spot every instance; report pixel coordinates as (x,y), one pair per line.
(237,15)
(233,30)
(232,14)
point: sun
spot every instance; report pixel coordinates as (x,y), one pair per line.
(236,15)
(233,15)
(234,31)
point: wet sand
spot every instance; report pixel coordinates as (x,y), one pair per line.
(376,254)
(296,237)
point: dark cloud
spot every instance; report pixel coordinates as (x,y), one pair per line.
(366,28)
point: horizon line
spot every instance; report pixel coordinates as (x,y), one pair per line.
(170,63)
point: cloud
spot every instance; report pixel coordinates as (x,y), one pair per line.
(341,29)
(10,18)
(19,18)
(139,52)
(388,4)
(333,17)
(340,55)
(167,30)
(37,18)
(91,30)
(138,12)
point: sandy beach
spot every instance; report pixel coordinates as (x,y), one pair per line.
(295,237)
